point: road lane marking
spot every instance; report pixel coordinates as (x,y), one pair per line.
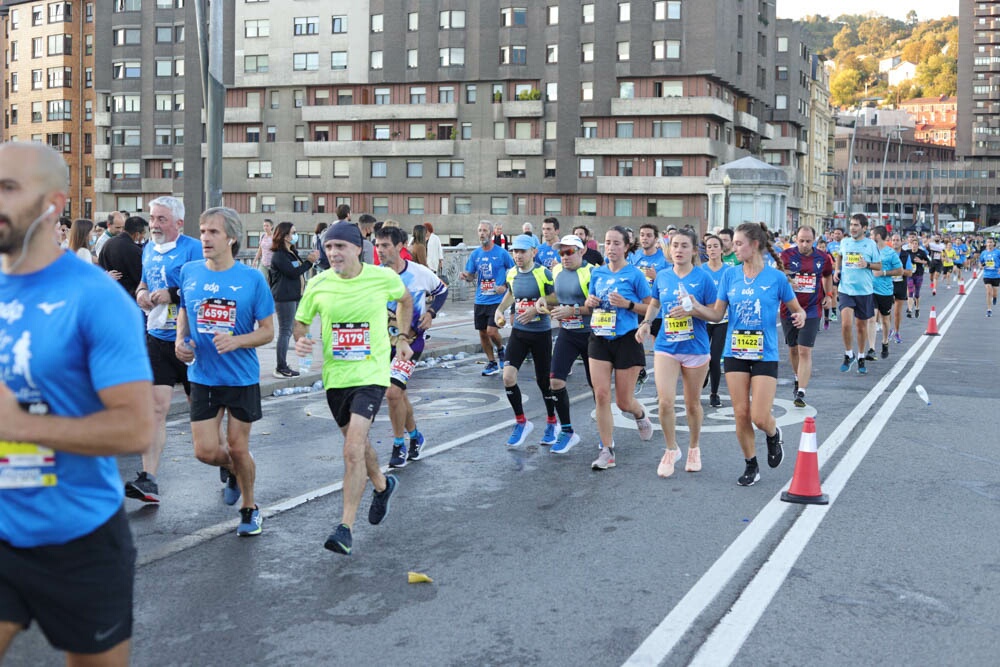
(728,637)
(210,532)
(665,637)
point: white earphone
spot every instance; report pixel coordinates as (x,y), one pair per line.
(231,241)
(50,210)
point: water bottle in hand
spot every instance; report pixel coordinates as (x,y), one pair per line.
(306,362)
(189,345)
(686,303)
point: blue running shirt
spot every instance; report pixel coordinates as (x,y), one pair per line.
(609,321)
(855,281)
(490,268)
(229,302)
(990,260)
(162,270)
(66,333)
(753,312)
(687,335)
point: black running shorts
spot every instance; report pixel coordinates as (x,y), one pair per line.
(754,368)
(364,401)
(623,352)
(243,403)
(80,593)
(484,315)
(167,368)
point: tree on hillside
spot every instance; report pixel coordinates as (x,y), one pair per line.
(845,87)
(846,39)
(939,75)
(911,18)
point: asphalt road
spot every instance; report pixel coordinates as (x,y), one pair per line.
(542,561)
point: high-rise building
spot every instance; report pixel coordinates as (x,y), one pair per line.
(48,92)
(466,110)
(978,130)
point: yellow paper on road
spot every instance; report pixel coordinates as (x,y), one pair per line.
(418,578)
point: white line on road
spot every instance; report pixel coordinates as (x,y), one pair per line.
(665,637)
(728,637)
(223,528)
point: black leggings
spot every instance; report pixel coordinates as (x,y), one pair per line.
(539,344)
(717,334)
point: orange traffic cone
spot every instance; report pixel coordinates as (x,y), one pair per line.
(974,274)
(932,329)
(961,288)
(805,488)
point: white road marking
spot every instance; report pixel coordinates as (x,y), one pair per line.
(665,637)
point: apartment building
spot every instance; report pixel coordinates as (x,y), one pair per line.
(48,91)
(460,111)
(935,118)
(978,130)
(816,202)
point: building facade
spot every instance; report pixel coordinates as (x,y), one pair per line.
(935,118)
(48,92)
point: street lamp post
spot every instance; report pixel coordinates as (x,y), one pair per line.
(726,182)
(850,152)
(881,184)
(906,178)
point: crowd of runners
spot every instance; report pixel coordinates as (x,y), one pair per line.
(709,308)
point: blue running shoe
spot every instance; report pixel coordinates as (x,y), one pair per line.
(491,368)
(339,540)
(566,441)
(861,367)
(551,433)
(416,444)
(520,433)
(251,522)
(380,501)
(849,360)
(501,356)
(398,458)
(231,492)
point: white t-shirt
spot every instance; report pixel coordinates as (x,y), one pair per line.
(435,254)
(84,254)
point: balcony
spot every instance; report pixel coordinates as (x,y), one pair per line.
(522,109)
(158,185)
(786,144)
(242,115)
(374,112)
(522,146)
(123,184)
(747,122)
(102,152)
(102,119)
(102,185)
(651,185)
(680,146)
(673,106)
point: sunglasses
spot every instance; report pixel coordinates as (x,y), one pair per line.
(567,253)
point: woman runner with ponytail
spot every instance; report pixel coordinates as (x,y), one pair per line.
(752,295)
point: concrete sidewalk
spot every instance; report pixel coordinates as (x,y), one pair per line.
(453,332)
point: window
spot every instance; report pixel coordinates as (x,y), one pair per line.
(123,36)
(667,10)
(666,49)
(127,5)
(451,169)
(341,168)
(382,96)
(162,136)
(381,133)
(552,53)
(345,97)
(377,22)
(36,79)
(305,62)
(412,21)
(339,25)
(37,15)
(624,12)
(305,25)
(499,130)
(623,52)
(36,112)
(164,34)
(668,89)
(451,20)
(512,168)
(586,91)
(60,110)
(345,133)
(418,131)
(588,12)
(300,204)
(513,55)
(37,47)
(626,90)
(259,169)
(781,73)
(624,167)
(781,101)
(451,56)
(179,34)
(589,129)
(253,135)
(470,93)
(664,208)
(587,52)
(414,169)
(88,110)
(668,167)
(298,98)
(623,129)
(418,95)
(782,45)
(499,205)
(59,77)
(338,60)
(178,136)
(586,167)
(376,60)
(552,91)
(124,170)
(510,16)
(412,58)
(415,205)
(379,169)
(164,102)
(553,206)
(466,132)
(588,206)
(623,208)
(178,101)
(522,130)
(255,64)
(125,103)
(268,203)
(125,138)
(257,28)
(60,45)
(550,130)
(446,95)
(164,67)
(380,205)
(666,129)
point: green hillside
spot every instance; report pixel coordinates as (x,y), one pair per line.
(857,43)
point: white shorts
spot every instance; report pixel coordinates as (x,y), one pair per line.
(689,360)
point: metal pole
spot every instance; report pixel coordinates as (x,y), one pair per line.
(850,162)
(881,183)
(213,93)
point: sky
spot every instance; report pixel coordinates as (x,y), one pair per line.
(897,9)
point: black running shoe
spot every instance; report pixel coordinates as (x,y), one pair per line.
(774,451)
(640,381)
(380,501)
(870,355)
(339,540)
(800,399)
(715,401)
(751,475)
(143,488)
(885,350)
